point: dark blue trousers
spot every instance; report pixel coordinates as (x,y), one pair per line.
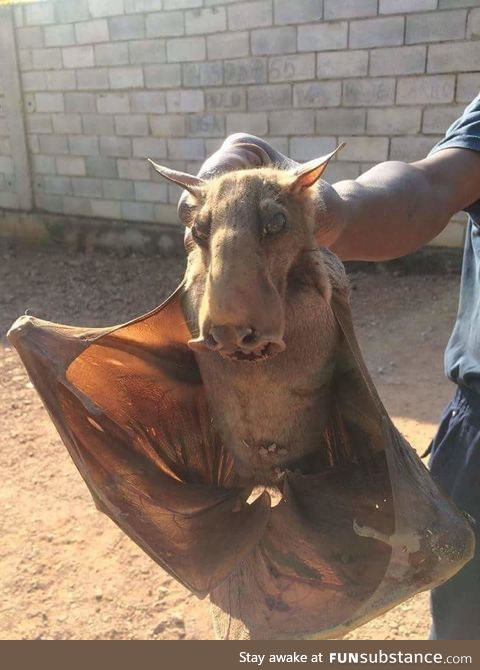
(455,467)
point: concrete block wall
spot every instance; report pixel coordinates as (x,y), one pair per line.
(108,82)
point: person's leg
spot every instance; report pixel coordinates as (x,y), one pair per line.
(455,467)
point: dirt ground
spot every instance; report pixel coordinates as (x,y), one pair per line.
(66,571)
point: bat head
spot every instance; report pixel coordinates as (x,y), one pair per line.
(249,228)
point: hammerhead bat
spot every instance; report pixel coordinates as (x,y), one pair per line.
(234,432)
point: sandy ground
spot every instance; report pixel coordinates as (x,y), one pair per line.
(66,572)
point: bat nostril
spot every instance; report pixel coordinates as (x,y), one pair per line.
(247,337)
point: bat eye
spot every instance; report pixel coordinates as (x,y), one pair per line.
(201,232)
(276,224)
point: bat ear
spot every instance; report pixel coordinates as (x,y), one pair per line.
(183,179)
(308,173)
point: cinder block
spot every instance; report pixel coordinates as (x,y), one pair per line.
(184,49)
(185,4)
(185,101)
(89,32)
(306,148)
(97,124)
(246,15)
(225,99)
(251,122)
(368,92)
(137,6)
(301,11)
(118,189)
(43,164)
(60,80)
(468,86)
(163,76)
(274,96)
(148,102)
(131,124)
(127,27)
(292,122)
(6,163)
(101,8)
(348,9)
(206,125)
(394,121)
(151,191)
(70,165)
(33,81)
(271,41)
(39,14)
(18,16)
(166,214)
(113,103)
(48,202)
(186,149)
(203,74)
(30,37)
(57,185)
(49,102)
(86,187)
(168,125)
(228,45)
(317,94)
(398,60)
(337,64)
(411,148)
(67,124)
(473,25)
(83,145)
(341,170)
(340,121)
(78,56)
(25,60)
(149,147)
(208,20)
(363,149)
(71,12)
(138,211)
(401,6)
(47,59)
(436,120)
(126,77)
(108,209)
(92,78)
(382,32)
(436,26)
(37,123)
(116,147)
(424,90)
(446,4)
(245,71)
(53,144)
(291,68)
(165,24)
(454,57)
(79,102)
(133,168)
(59,35)
(77,206)
(323,36)
(111,54)
(147,51)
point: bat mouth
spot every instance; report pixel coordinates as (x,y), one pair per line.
(270,350)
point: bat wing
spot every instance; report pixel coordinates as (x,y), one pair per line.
(343,544)
(130,407)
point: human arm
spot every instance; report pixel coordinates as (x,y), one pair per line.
(395,208)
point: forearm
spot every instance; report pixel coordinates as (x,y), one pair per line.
(391,210)
(395,208)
